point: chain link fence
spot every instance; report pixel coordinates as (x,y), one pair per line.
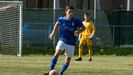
(111,31)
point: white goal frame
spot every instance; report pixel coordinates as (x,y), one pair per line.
(20,24)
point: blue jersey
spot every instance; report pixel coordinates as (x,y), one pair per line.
(67,28)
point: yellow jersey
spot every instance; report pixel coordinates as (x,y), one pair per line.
(89,28)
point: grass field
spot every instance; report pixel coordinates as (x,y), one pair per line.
(37,65)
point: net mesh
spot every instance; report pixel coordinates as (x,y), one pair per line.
(9,27)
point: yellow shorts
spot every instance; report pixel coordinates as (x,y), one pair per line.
(85,40)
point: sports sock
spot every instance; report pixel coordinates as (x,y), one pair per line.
(53,62)
(65,66)
(90,51)
(80,51)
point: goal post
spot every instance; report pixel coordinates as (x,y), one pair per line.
(11,27)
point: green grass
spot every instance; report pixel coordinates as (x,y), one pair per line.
(38,64)
(96,51)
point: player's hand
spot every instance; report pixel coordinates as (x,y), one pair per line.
(51,36)
(91,37)
(76,33)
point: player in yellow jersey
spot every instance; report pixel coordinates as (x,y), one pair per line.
(86,37)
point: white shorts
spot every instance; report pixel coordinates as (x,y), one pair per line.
(69,49)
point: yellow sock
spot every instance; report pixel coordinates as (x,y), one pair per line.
(90,51)
(80,51)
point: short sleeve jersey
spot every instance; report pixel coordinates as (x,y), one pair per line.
(67,29)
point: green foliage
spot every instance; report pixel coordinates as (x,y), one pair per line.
(113,51)
(38,50)
(49,50)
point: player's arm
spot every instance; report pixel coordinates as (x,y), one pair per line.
(93,31)
(80,27)
(55,29)
(79,30)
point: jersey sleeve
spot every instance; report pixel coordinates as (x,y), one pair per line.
(59,20)
(79,23)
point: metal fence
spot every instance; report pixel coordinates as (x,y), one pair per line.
(111,31)
(114,36)
(106,36)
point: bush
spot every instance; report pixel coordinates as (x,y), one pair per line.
(96,51)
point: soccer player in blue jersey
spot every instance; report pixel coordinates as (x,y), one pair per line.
(69,29)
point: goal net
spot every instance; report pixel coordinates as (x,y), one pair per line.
(10,27)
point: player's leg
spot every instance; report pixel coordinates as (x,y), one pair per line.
(59,48)
(90,51)
(69,51)
(80,50)
(65,65)
(54,59)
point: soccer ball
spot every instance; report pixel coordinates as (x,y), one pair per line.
(53,72)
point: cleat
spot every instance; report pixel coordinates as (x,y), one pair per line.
(79,59)
(90,59)
(46,73)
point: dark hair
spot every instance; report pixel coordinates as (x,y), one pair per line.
(69,7)
(86,14)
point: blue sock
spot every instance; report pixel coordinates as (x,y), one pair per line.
(53,62)
(65,66)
